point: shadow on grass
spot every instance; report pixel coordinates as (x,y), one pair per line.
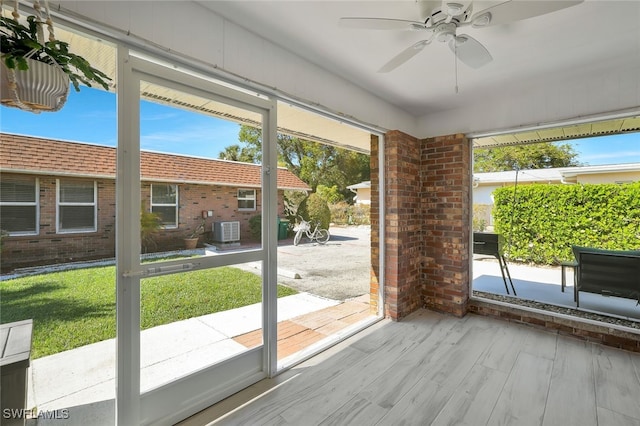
(37,302)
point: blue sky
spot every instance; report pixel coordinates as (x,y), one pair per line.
(90,116)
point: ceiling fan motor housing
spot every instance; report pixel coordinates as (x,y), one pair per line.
(445,32)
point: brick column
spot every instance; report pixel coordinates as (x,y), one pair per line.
(375,226)
(446,201)
(403,225)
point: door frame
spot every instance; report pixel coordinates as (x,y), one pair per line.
(176,400)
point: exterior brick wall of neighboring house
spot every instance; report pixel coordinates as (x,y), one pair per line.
(86,173)
(51,247)
(193,199)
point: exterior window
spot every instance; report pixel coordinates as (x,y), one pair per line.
(246,199)
(77,206)
(164,202)
(19,205)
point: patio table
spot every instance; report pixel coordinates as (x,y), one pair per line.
(563,270)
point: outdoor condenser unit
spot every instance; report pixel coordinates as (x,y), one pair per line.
(225,232)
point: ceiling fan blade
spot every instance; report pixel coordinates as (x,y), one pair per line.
(470,51)
(404,56)
(514,10)
(381,24)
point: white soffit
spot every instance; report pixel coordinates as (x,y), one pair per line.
(292,120)
(560,133)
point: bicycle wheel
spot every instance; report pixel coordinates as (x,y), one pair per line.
(322,236)
(296,239)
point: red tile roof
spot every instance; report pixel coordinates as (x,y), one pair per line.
(46,156)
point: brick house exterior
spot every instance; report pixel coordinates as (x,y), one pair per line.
(51,165)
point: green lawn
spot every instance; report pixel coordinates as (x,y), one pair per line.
(78,307)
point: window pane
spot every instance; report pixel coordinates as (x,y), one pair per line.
(76,192)
(167,214)
(246,204)
(163,194)
(77,217)
(18,218)
(247,194)
(14,190)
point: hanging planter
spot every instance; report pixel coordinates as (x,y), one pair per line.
(42,87)
(36,73)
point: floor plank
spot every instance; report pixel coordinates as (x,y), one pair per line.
(422,403)
(314,407)
(473,401)
(572,394)
(616,381)
(390,387)
(611,418)
(522,400)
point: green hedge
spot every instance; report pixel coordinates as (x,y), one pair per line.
(546,220)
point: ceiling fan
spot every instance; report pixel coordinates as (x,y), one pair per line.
(442,19)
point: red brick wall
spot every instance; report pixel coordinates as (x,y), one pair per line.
(50,247)
(427,196)
(403,225)
(375,225)
(446,203)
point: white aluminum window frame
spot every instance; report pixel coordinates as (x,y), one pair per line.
(176,204)
(59,204)
(254,199)
(35,204)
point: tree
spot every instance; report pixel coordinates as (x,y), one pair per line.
(534,156)
(314,163)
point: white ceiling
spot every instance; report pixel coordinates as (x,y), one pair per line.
(580,40)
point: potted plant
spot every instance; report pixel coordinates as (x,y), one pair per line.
(36,73)
(191,241)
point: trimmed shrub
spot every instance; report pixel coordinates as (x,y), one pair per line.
(255,226)
(544,221)
(315,210)
(344,213)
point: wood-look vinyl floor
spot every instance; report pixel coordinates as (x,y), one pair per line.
(433,369)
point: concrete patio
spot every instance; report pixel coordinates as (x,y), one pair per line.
(543,284)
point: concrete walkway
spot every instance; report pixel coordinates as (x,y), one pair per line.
(82,380)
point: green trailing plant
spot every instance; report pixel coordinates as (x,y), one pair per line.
(19,42)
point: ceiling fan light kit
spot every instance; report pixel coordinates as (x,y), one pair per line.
(481,20)
(442,20)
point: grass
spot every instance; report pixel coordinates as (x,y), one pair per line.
(78,307)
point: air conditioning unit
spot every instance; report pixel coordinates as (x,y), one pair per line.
(225,232)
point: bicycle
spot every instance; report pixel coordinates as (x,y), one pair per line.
(318,234)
